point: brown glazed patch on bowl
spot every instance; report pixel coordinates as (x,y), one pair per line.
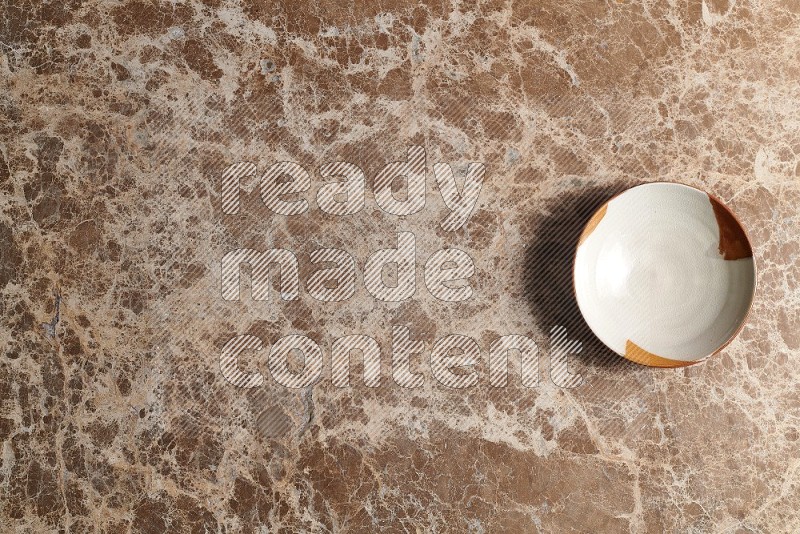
(733,242)
(637,354)
(593,222)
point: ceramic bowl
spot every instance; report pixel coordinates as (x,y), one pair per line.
(664,274)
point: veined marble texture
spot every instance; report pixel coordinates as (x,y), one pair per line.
(117,121)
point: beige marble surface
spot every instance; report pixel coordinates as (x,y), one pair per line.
(118,119)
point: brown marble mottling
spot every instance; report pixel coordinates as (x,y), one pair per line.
(116,121)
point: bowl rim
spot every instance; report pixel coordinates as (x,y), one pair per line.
(745,318)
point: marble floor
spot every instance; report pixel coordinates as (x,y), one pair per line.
(137,395)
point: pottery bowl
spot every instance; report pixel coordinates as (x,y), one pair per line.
(664,274)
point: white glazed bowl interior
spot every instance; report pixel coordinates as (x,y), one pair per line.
(664,274)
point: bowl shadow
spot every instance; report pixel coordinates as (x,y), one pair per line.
(548,270)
